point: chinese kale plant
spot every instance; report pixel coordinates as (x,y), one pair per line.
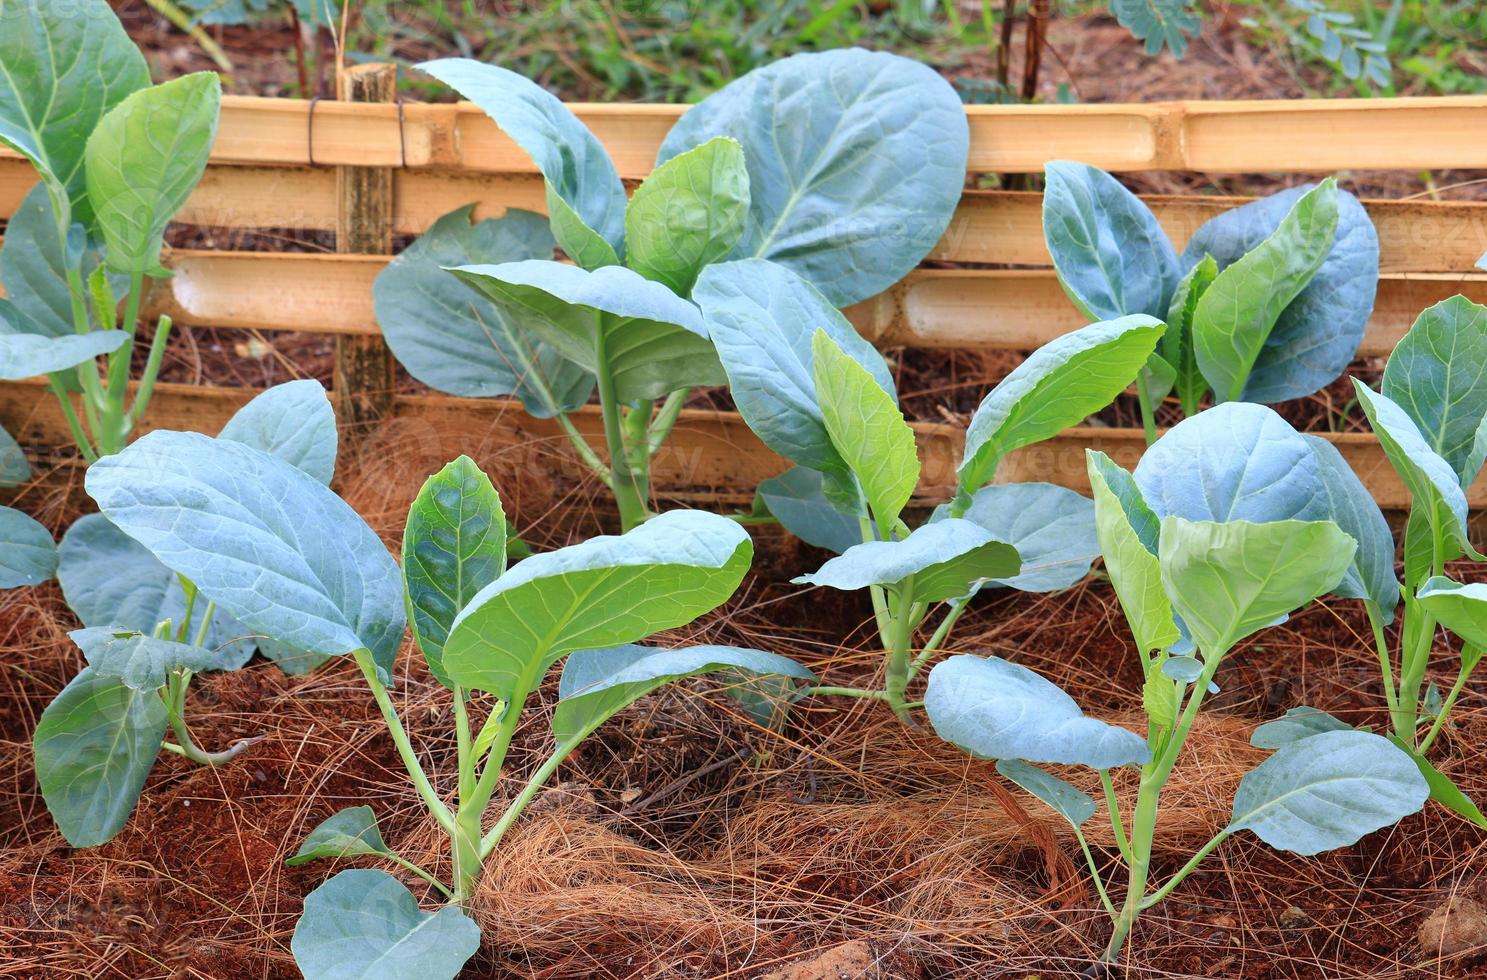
(147,629)
(817,393)
(271,545)
(1267,302)
(843,166)
(117,158)
(1195,574)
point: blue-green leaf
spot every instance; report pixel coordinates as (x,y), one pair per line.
(34,263)
(1052,529)
(597,683)
(1351,507)
(856,162)
(938,561)
(351,832)
(293,421)
(1462,609)
(1293,726)
(1442,789)
(140,662)
(364,925)
(453,338)
(586,200)
(25,355)
(999,710)
(15,469)
(28,557)
(1072,804)
(1159,22)
(1328,791)
(795,498)
(1438,375)
(1128,533)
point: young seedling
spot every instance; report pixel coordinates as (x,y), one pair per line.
(1216,583)
(817,393)
(147,630)
(286,556)
(117,159)
(1268,302)
(512,321)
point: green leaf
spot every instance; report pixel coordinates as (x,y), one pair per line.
(1072,804)
(1159,22)
(15,469)
(585,199)
(34,264)
(1128,533)
(1328,791)
(763,318)
(1462,609)
(795,498)
(1236,314)
(271,545)
(604,592)
(454,545)
(65,66)
(1059,385)
(691,211)
(653,341)
(1227,581)
(144,160)
(456,340)
(351,832)
(1438,376)
(1111,256)
(1351,507)
(1160,697)
(1052,529)
(94,745)
(293,421)
(364,924)
(1293,726)
(867,430)
(140,662)
(1431,481)
(856,161)
(26,355)
(112,581)
(28,557)
(939,561)
(598,683)
(994,709)
(1177,343)
(1442,789)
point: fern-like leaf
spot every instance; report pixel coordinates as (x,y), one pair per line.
(1158,22)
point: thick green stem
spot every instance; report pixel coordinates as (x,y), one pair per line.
(115,420)
(530,791)
(464,842)
(152,368)
(400,739)
(897,681)
(1412,676)
(1148,411)
(846,692)
(74,425)
(631,488)
(665,419)
(1386,663)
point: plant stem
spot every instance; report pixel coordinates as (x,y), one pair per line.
(1117,823)
(175,709)
(665,419)
(206,624)
(630,488)
(957,607)
(1440,719)
(400,739)
(1094,873)
(115,421)
(80,437)
(846,692)
(152,368)
(398,859)
(897,680)
(530,791)
(1148,412)
(1186,869)
(1386,665)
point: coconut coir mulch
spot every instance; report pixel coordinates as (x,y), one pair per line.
(686,841)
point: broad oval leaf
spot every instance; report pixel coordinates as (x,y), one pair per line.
(1059,385)
(66,65)
(938,561)
(762,318)
(1317,335)
(144,159)
(1051,527)
(999,710)
(1236,315)
(1430,480)
(1128,533)
(796,499)
(272,546)
(856,161)
(29,557)
(652,340)
(1462,609)
(690,211)
(140,662)
(1111,256)
(351,832)
(25,355)
(604,592)
(15,469)
(454,545)
(1074,805)
(364,925)
(34,263)
(596,684)
(866,429)
(94,745)
(1438,375)
(1229,580)
(1328,791)
(585,197)
(1351,507)
(1294,725)
(110,581)
(293,421)
(456,340)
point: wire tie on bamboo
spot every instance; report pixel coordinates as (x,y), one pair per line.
(310,129)
(402,130)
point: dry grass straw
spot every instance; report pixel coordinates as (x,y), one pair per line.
(684,840)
